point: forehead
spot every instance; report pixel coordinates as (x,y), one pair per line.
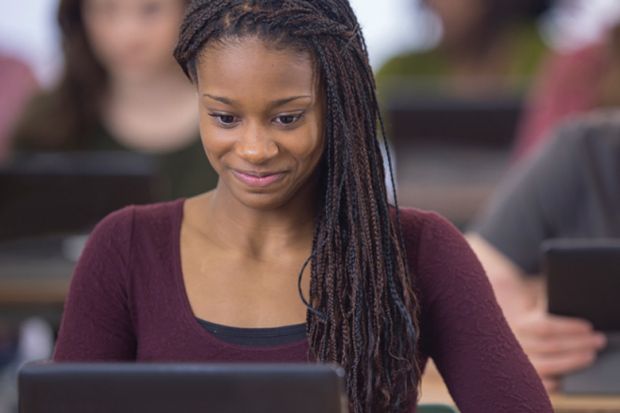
(249,65)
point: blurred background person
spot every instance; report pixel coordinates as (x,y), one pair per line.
(572,82)
(17,83)
(121,91)
(452,110)
(569,189)
(486,48)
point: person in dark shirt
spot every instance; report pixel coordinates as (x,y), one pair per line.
(297,236)
(121,91)
(571,189)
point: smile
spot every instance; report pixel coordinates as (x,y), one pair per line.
(256,179)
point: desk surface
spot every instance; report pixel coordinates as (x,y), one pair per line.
(22,285)
(40,281)
(38,270)
(434,391)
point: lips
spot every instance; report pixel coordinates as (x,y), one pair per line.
(258,179)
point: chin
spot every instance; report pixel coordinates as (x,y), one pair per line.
(263,201)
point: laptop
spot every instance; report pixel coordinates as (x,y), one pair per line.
(48,387)
(583,280)
(450,153)
(68,192)
(417,121)
(48,202)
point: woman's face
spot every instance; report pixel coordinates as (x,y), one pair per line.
(133,38)
(261,120)
(459,17)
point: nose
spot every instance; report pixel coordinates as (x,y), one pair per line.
(128,33)
(256,147)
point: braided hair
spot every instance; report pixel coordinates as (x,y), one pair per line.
(362,309)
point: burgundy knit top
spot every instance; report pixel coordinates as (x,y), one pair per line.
(127,301)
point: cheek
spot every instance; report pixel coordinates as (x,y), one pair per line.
(216,142)
(308,146)
(100,37)
(163,37)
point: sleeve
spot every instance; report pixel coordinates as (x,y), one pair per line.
(97,321)
(464,331)
(532,203)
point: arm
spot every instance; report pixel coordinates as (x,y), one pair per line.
(541,200)
(465,333)
(555,345)
(96,323)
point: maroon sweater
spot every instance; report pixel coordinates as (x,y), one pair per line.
(127,301)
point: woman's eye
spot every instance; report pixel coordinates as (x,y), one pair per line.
(287,119)
(223,119)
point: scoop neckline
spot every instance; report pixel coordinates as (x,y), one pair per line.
(189,318)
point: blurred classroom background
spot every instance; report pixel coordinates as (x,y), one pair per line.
(469,89)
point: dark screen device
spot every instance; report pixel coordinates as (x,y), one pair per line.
(418,121)
(449,152)
(68,192)
(48,387)
(583,280)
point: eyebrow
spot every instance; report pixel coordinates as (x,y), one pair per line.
(273,104)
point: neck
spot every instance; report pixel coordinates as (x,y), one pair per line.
(261,233)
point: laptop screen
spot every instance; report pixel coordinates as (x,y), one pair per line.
(46,193)
(47,387)
(583,280)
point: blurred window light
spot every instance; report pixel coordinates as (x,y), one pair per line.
(573,24)
(28,31)
(393,26)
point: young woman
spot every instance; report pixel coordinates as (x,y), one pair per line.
(296,255)
(121,90)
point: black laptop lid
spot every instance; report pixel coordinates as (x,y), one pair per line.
(43,193)
(583,280)
(179,387)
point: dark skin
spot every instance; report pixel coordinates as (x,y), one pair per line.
(244,243)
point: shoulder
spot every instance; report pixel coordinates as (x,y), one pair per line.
(420,225)
(594,134)
(158,214)
(602,122)
(431,239)
(440,259)
(118,242)
(122,226)
(413,63)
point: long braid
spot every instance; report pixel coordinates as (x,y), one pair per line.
(362,309)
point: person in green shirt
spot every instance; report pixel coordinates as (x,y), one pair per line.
(487,48)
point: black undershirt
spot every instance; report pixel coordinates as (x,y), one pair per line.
(256,337)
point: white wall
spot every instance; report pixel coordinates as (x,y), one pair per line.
(391,26)
(28,31)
